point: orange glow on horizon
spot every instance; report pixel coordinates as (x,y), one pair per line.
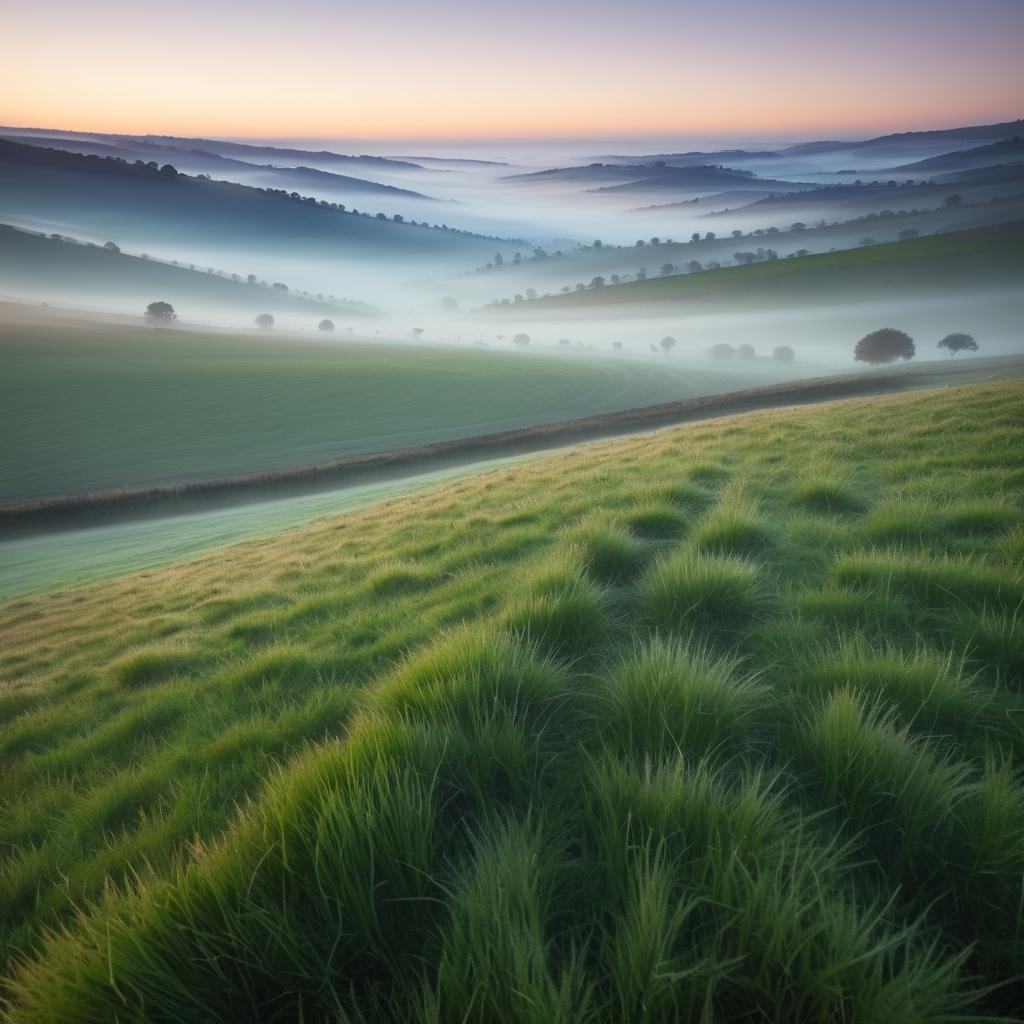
(583,70)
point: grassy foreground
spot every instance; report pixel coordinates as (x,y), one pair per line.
(717,724)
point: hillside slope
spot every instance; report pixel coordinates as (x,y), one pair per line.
(720,722)
(52,269)
(979,258)
(90,408)
(126,202)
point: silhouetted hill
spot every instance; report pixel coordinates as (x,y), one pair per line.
(243,151)
(311,177)
(990,258)
(86,195)
(968,159)
(702,178)
(906,140)
(60,270)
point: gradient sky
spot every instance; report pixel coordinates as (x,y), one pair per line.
(473,68)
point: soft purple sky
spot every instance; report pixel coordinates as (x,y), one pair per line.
(465,68)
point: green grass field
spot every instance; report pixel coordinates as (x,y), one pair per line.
(58,559)
(979,258)
(722,723)
(99,407)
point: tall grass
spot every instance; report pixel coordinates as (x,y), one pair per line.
(595,738)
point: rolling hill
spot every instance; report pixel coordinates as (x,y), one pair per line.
(702,178)
(93,407)
(302,242)
(46,269)
(980,258)
(605,736)
(1006,150)
(953,138)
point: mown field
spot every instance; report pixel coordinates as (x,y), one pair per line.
(98,406)
(722,723)
(981,259)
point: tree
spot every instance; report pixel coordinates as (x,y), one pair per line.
(522,340)
(667,269)
(954,343)
(617,346)
(783,354)
(950,201)
(908,233)
(160,312)
(265,320)
(721,351)
(597,282)
(417,333)
(563,341)
(325,325)
(884,346)
(745,352)
(111,247)
(667,344)
(499,260)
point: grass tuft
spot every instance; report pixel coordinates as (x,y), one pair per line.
(697,591)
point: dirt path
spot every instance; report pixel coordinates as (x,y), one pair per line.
(104,507)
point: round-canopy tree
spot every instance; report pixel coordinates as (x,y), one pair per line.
(745,351)
(522,340)
(667,344)
(783,354)
(885,345)
(265,320)
(958,342)
(326,325)
(160,312)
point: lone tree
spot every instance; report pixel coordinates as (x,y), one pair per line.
(884,346)
(745,352)
(265,320)
(522,340)
(617,346)
(954,343)
(326,325)
(160,313)
(111,247)
(667,344)
(783,354)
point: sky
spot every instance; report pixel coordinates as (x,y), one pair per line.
(452,69)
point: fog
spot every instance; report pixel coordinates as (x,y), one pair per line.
(457,241)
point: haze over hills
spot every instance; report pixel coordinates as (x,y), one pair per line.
(174,216)
(992,154)
(90,276)
(978,260)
